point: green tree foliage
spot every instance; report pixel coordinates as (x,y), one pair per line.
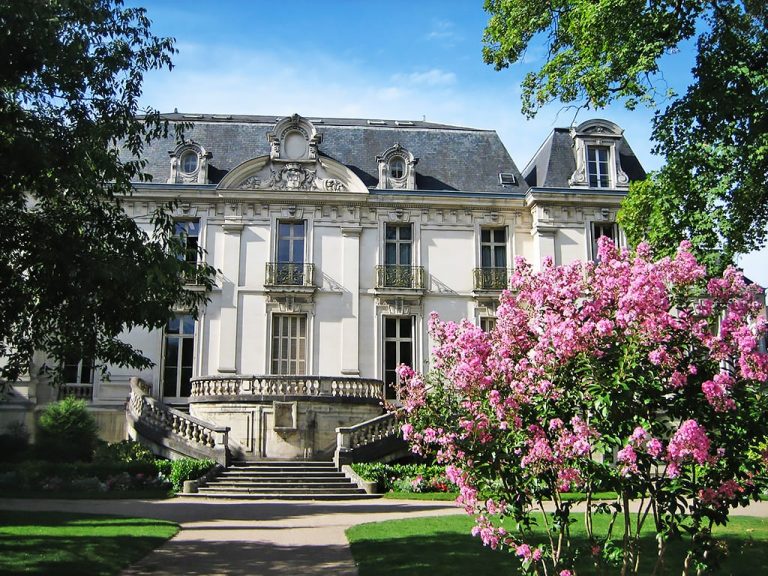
(714,137)
(75,270)
(67,431)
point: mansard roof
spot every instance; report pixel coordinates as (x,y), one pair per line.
(554,163)
(451,158)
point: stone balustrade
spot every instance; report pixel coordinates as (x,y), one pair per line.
(352,439)
(78,391)
(178,432)
(299,387)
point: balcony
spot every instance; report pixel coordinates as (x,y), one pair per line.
(286,274)
(77,391)
(491,279)
(400,277)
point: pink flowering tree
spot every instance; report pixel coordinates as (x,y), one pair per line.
(630,375)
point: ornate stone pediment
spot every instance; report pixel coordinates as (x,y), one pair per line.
(293,163)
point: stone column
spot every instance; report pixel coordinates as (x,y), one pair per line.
(350,279)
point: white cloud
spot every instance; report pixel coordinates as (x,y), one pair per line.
(434,77)
(442,30)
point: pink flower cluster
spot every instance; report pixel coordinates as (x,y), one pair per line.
(559,449)
(717,392)
(640,441)
(688,443)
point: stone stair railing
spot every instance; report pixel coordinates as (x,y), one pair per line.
(281,386)
(173,433)
(375,439)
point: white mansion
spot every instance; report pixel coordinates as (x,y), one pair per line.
(334,240)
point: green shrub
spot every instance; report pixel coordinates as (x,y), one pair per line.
(81,476)
(126,452)
(405,477)
(178,471)
(67,432)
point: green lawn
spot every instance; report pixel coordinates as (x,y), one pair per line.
(445,496)
(442,545)
(60,543)
(451,496)
(137,494)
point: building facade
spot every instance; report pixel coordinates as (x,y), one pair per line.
(334,240)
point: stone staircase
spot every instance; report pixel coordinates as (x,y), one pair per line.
(282,480)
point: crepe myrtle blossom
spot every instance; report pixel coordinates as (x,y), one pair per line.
(647,360)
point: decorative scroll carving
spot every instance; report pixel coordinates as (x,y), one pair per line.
(333,185)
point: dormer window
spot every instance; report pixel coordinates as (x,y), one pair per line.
(189,164)
(397,169)
(596,148)
(598,166)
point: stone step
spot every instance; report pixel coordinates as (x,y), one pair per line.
(286,474)
(284,463)
(282,489)
(271,496)
(280,479)
(279,485)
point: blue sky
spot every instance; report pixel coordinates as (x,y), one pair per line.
(361,59)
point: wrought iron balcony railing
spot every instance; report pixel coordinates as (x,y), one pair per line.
(491,278)
(290,274)
(388,276)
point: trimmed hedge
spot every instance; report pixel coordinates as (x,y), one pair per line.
(178,471)
(405,477)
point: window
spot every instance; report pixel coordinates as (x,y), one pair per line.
(398,349)
(600,229)
(398,244)
(178,357)
(289,269)
(487,323)
(78,371)
(492,274)
(597,166)
(397,271)
(289,344)
(189,162)
(189,233)
(493,247)
(397,168)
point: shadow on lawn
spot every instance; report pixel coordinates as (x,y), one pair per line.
(451,554)
(74,556)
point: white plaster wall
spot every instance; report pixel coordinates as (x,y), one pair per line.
(254,254)
(253,330)
(448,256)
(570,245)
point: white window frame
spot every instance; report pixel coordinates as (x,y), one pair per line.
(80,375)
(609,175)
(181,336)
(398,339)
(591,233)
(277,356)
